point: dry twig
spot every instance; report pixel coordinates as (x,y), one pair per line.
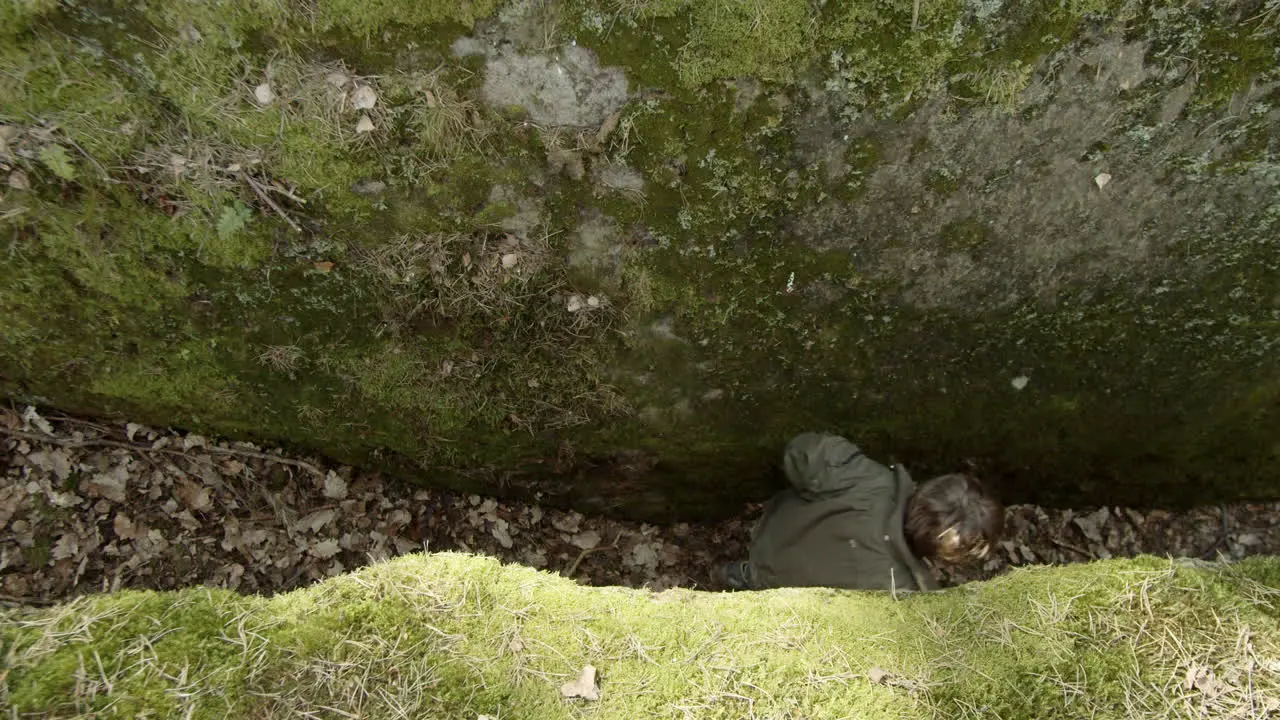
(143,448)
(588,551)
(266,198)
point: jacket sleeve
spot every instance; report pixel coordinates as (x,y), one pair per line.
(817,464)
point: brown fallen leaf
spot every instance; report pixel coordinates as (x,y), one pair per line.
(1189,681)
(325,549)
(584,687)
(586,540)
(316,521)
(11,499)
(68,546)
(126,529)
(323,266)
(110,485)
(192,495)
(1202,678)
(187,520)
(606,128)
(57,461)
(502,534)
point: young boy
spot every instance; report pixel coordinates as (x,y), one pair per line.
(850,522)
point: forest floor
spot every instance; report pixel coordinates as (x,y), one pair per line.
(88,507)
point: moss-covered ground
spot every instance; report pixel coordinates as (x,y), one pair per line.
(463,637)
(199,230)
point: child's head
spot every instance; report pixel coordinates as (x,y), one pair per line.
(953,519)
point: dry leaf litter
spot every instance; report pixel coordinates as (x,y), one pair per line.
(88,507)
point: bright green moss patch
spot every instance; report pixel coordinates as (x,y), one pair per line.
(460,636)
(109,248)
(75,91)
(167,384)
(15,16)
(745,39)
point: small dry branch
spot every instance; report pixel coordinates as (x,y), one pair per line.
(264,194)
(144,448)
(574,567)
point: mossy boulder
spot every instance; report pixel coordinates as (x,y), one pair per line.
(615,254)
(464,637)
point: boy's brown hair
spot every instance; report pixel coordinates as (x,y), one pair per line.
(953,519)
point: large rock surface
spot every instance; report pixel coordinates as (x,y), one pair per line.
(616,253)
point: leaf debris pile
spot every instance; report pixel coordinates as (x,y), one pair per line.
(87,507)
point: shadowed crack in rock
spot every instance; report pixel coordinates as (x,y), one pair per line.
(88,507)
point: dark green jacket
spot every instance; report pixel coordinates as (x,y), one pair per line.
(840,524)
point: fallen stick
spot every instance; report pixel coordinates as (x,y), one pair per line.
(138,447)
(572,568)
(1069,546)
(257,189)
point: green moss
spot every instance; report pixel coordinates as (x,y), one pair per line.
(495,213)
(168,383)
(41,550)
(943,181)
(108,247)
(1232,54)
(878,55)
(482,636)
(412,380)
(862,155)
(968,235)
(645,10)
(68,86)
(368,16)
(139,656)
(1240,57)
(1031,30)
(647,47)
(306,136)
(765,40)
(16,17)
